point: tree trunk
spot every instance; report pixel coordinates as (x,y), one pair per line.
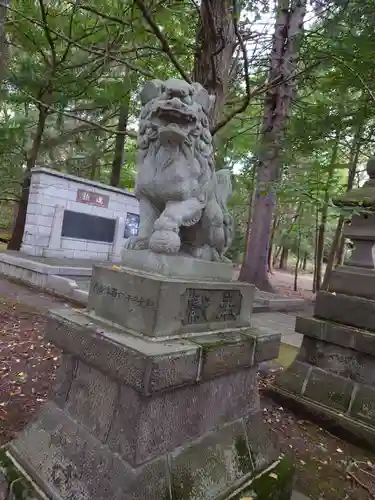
(15,241)
(251,203)
(304,263)
(284,259)
(332,253)
(273,232)
(277,109)
(276,255)
(3,43)
(336,254)
(324,214)
(340,254)
(295,284)
(118,157)
(338,247)
(94,164)
(316,241)
(216,42)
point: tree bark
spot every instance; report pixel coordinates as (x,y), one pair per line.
(277,109)
(3,42)
(316,240)
(336,254)
(276,255)
(216,42)
(304,263)
(332,253)
(273,232)
(15,241)
(284,259)
(295,284)
(118,157)
(94,166)
(324,214)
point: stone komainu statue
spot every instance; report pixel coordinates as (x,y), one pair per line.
(183,200)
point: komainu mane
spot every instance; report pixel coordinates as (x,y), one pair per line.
(183,200)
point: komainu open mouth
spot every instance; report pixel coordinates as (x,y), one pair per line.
(168,113)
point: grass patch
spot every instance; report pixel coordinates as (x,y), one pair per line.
(287,355)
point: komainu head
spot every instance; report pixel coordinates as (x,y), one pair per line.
(175,112)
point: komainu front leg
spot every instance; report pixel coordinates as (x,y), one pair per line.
(213,223)
(166,237)
(148,215)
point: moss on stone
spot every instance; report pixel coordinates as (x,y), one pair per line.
(243,457)
(182,489)
(213,346)
(276,484)
(361,197)
(19,486)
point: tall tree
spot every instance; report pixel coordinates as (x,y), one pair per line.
(118,157)
(277,109)
(4,4)
(216,42)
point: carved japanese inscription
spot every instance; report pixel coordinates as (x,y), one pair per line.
(101,289)
(205,306)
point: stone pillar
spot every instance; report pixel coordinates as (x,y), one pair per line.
(334,372)
(55,236)
(116,253)
(157,395)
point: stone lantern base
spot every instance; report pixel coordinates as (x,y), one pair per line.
(333,375)
(157,396)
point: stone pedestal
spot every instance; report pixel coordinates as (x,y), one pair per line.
(334,372)
(157,396)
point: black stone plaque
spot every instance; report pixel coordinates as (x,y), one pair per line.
(205,306)
(131,225)
(88,227)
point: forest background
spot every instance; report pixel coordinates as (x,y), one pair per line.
(293,116)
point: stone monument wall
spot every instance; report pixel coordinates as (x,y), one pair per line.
(69,216)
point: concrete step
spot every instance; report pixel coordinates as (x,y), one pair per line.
(274,302)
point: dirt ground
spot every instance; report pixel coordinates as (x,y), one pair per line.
(327,467)
(283,282)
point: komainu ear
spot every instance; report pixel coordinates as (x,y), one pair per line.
(150,90)
(202,97)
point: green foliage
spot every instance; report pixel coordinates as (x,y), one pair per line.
(79,62)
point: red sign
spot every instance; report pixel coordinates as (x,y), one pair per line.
(90,198)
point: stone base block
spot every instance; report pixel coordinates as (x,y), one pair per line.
(160,307)
(335,334)
(348,310)
(344,425)
(343,402)
(133,419)
(355,281)
(177,266)
(333,375)
(68,463)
